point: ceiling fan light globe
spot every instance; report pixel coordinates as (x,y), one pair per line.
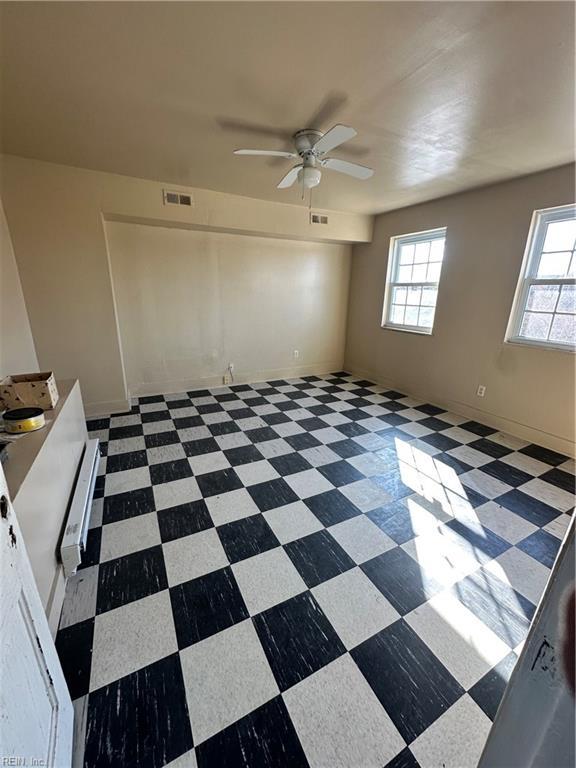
(309,176)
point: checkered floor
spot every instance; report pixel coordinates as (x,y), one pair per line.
(307,572)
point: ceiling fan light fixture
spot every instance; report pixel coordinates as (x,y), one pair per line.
(309,176)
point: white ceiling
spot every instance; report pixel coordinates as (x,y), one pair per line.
(444,95)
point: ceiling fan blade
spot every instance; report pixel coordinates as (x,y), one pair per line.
(334,137)
(352,169)
(265,152)
(290,178)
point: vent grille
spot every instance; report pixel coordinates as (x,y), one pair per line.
(318,218)
(176,198)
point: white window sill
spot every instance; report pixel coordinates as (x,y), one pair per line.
(417,331)
(548,347)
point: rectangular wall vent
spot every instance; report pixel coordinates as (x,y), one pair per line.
(318,218)
(176,198)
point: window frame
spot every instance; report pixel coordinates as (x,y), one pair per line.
(438,233)
(527,277)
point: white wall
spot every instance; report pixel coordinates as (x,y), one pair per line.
(530,391)
(191,302)
(17,353)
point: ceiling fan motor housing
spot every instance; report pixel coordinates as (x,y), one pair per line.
(305,140)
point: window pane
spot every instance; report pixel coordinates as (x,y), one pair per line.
(554,264)
(433,275)
(399,296)
(419,273)
(397,315)
(572,268)
(543,297)
(563,329)
(429,297)
(404,274)
(560,236)
(535,326)
(411,316)
(414,295)
(437,250)
(426,317)
(421,252)
(407,253)
(567,301)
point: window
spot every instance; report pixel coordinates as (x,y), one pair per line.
(414,269)
(544,306)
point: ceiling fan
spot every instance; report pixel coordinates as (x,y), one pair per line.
(311,147)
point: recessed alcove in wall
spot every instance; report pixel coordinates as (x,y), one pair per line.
(190,302)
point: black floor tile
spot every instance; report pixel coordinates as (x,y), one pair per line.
(497,605)
(340,473)
(200,447)
(185,422)
(544,454)
(121,506)
(151,399)
(392,484)
(206,605)
(529,508)
(209,408)
(394,419)
(151,416)
(431,410)
(247,537)
(542,546)
(159,439)
(478,429)
(297,638)
(438,440)
(245,454)
(302,441)
(242,413)
(451,461)
(91,553)
(490,448)
(289,464)
(276,418)
(318,557)
(120,433)
(169,471)
(140,720)
(173,405)
(392,394)
(274,493)
(475,538)
(347,448)
(312,424)
(95,425)
(130,578)
(331,507)
(564,480)
(265,738)
(488,691)
(410,682)
(433,423)
(352,429)
(222,481)
(401,580)
(261,435)
(184,520)
(74,646)
(223,428)
(506,473)
(404,759)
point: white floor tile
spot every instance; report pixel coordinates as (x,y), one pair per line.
(485,484)
(503,522)
(226,676)
(208,462)
(193,556)
(361,538)
(272,448)
(80,597)
(549,494)
(292,521)
(176,492)
(127,536)
(308,483)
(128,480)
(256,472)
(96,512)
(231,506)
(339,720)
(131,637)
(456,739)
(559,526)
(464,644)
(320,455)
(365,495)
(524,574)
(267,579)
(164,453)
(354,606)
(526,463)
(126,445)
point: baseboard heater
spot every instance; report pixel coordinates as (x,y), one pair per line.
(74,539)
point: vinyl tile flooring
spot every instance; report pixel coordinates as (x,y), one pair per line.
(313,572)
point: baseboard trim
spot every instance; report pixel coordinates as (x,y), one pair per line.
(243,377)
(522,431)
(93,410)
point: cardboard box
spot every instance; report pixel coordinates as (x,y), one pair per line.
(37,389)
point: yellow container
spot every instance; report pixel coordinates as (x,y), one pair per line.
(23,420)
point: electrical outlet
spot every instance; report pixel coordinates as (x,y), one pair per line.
(296,354)
(226,379)
(481,391)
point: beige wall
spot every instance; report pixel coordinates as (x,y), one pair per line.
(17,353)
(57,220)
(191,302)
(530,391)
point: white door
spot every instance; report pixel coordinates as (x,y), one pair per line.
(36,715)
